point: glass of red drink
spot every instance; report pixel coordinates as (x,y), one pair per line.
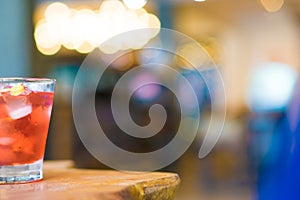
(25,110)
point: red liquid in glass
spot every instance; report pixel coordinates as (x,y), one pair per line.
(24,123)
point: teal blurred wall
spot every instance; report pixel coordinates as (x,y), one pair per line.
(15,38)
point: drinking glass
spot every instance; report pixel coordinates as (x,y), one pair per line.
(25,110)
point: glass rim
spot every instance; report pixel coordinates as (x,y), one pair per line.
(27,80)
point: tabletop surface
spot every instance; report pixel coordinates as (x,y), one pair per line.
(61,181)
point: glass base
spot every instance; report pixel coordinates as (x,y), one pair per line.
(21,173)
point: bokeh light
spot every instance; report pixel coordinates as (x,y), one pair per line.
(84,29)
(271,87)
(272,5)
(146,92)
(49,50)
(135,4)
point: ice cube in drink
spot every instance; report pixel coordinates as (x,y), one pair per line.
(24,121)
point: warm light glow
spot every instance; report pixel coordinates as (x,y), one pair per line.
(44,37)
(140,12)
(111,6)
(272,5)
(83,30)
(135,4)
(154,23)
(83,27)
(56,11)
(67,33)
(50,50)
(199,0)
(85,47)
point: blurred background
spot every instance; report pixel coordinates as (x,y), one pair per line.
(255,44)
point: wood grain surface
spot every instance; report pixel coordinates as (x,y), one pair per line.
(61,181)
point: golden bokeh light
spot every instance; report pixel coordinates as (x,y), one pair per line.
(50,50)
(272,5)
(111,6)
(45,36)
(57,11)
(135,4)
(84,29)
(85,47)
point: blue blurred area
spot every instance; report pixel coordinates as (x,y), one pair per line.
(279,174)
(197,83)
(65,76)
(273,131)
(15,38)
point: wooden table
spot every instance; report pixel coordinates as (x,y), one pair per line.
(61,181)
